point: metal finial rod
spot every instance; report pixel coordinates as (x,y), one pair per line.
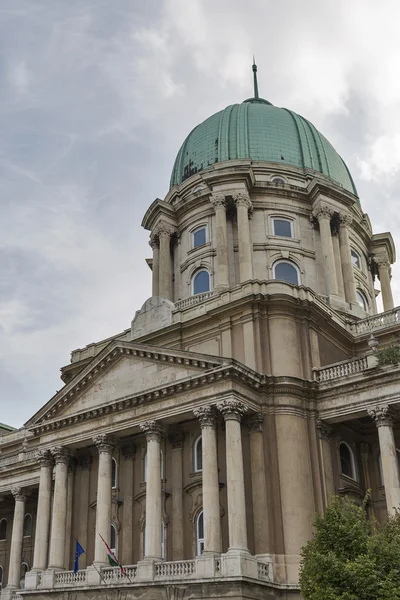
(255,78)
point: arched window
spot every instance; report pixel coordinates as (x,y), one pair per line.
(278,181)
(113,539)
(199,534)
(286,271)
(114,472)
(362,301)
(201,282)
(27,525)
(23,572)
(347,463)
(355,259)
(197,455)
(199,236)
(3,529)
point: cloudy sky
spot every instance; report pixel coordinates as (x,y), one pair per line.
(95,100)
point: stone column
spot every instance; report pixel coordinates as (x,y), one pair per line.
(386,288)
(164,232)
(324,215)
(128,452)
(152,550)
(233,411)
(59,518)
(156,265)
(324,433)
(345,257)
(84,463)
(43,512)
(211,508)
(383,417)
(105,445)
(222,270)
(14,568)
(255,424)
(243,205)
(338,264)
(68,524)
(176,441)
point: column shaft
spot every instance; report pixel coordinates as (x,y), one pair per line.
(338,265)
(222,271)
(165,266)
(43,513)
(16,539)
(68,524)
(259,485)
(233,412)
(324,215)
(384,420)
(176,441)
(105,446)
(386,288)
(211,508)
(243,205)
(152,550)
(155,268)
(84,463)
(59,518)
(345,257)
(128,452)
(324,433)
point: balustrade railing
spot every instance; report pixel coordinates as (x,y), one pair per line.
(181,568)
(66,578)
(342,369)
(15,458)
(116,574)
(181,304)
(385,319)
(263,570)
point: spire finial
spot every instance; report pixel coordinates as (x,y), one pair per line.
(255,78)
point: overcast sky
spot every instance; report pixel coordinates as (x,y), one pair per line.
(95,100)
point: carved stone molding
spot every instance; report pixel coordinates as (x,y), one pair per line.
(382,263)
(153,430)
(242,199)
(218,201)
(154,241)
(45,458)
(18,493)
(206,416)
(163,229)
(105,443)
(232,409)
(323,212)
(324,430)
(61,454)
(382,415)
(255,422)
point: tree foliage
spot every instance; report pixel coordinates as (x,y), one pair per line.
(351,557)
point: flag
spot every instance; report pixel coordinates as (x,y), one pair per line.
(112,559)
(78,551)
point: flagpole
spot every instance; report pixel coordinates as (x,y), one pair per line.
(99,572)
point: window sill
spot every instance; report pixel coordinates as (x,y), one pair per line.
(202,247)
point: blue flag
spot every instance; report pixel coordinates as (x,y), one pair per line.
(78,551)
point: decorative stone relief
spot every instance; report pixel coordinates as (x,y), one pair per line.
(18,493)
(345,220)
(155,314)
(232,409)
(206,415)
(61,454)
(45,458)
(153,430)
(324,430)
(382,415)
(242,199)
(323,211)
(105,443)
(255,422)
(218,201)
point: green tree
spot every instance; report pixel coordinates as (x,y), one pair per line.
(351,557)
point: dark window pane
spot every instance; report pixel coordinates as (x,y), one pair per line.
(355,259)
(27,526)
(113,537)
(199,237)
(286,272)
(113,473)
(201,527)
(361,300)
(282,228)
(199,457)
(201,283)
(3,529)
(345,461)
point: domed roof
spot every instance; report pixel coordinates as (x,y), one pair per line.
(259,131)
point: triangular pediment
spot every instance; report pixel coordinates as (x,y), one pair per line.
(122,370)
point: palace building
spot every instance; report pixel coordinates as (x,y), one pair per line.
(258,380)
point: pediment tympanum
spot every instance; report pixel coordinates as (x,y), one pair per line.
(122,370)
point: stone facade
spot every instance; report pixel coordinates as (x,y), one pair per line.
(200,442)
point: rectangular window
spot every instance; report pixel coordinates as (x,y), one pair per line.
(355,259)
(199,237)
(283,227)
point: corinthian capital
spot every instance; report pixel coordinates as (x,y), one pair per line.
(382,414)
(345,220)
(61,454)
(105,443)
(324,429)
(163,229)
(323,211)
(206,415)
(232,409)
(242,199)
(218,201)
(18,493)
(154,241)
(45,458)
(255,422)
(153,430)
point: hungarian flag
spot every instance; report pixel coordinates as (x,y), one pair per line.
(112,559)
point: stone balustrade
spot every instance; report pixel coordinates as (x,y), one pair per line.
(341,369)
(192,300)
(380,321)
(181,568)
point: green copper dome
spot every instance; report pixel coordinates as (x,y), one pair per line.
(257,130)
